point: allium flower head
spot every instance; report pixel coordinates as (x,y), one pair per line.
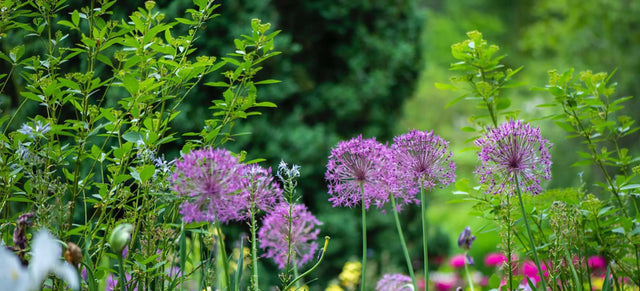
(359,163)
(513,150)
(275,229)
(263,192)
(212,181)
(394,282)
(423,158)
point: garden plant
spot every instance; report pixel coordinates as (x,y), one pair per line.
(91,200)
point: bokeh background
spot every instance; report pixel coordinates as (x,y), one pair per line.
(352,67)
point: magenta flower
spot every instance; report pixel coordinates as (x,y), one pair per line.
(212,181)
(529,270)
(597,262)
(394,282)
(513,150)
(275,229)
(458,261)
(423,159)
(263,193)
(360,163)
(495,259)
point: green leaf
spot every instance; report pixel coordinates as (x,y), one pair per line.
(264,82)
(132,136)
(75,18)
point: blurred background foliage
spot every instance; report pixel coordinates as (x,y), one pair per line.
(369,67)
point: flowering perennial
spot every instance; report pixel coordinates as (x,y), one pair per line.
(359,164)
(514,150)
(424,159)
(394,282)
(275,229)
(212,181)
(263,192)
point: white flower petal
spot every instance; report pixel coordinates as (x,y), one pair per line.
(45,256)
(12,274)
(69,274)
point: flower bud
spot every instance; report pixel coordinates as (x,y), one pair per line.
(120,237)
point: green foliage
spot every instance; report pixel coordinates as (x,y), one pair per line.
(102,94)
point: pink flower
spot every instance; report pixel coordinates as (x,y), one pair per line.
(444,281)
(530,270)
(495,259)
(597,262)
(457,261)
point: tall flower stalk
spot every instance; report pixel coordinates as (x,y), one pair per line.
(423,161)
(464,242)
(358,174)
(264,195)
(514,157)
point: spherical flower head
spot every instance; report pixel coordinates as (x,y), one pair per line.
(465,239)
(359,164)
(494,259)
(394,282)
(513,150)
(212,181)
(273,234)
(424,160)
(263,193)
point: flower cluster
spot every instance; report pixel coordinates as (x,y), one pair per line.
(513,151)
(394,282)
(217,187)
(275,230)
(424,159)
(360,168)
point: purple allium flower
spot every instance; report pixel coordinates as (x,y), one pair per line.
(513,150)
(213,183)
(262,190)
(423,158)
(394,282)
(360,163)
(466,239)
(275,229)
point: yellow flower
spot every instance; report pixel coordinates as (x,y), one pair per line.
(350,276)
(334,287)
(303,288)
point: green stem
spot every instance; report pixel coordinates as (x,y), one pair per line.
(324,251)
(466,270)
(423,208)
(364,240)
(402,242)
(509,252)
(222,259)
(526,224)
(122,281)
(254,253)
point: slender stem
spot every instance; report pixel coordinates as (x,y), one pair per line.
(466,270)
(509,253)
(254,253)
(324,251)
(364,240)
(402,242)
(526,224)
(423,197)
(222,252)
(122,281)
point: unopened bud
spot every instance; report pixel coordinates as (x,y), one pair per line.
(120,237)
